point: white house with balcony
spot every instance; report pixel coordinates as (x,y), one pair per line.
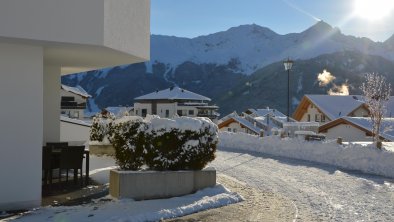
(73,101)
(40,40)
(174,101)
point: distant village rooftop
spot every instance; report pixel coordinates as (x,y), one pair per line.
(173,93)
(76,90)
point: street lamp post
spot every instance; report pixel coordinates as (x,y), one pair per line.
(288,64)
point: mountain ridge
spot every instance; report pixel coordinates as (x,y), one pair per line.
(215,64)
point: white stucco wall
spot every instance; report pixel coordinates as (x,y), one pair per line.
(51,104)
(39,41)
(162,107)
(348,133)
(75,33)
(71,132)
(21,134)
(139,106)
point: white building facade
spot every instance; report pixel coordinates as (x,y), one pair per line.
(175,101)
(40,40)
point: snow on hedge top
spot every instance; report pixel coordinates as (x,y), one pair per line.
(173,93)
(76,90)
(336,106)
(182,123)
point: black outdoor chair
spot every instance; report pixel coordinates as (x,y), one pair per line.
(49,162)
(71,157)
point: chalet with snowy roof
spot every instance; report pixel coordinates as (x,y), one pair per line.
(235,123)
(73,101)
(175,101)
(352,129)
(325,108)
(263,121)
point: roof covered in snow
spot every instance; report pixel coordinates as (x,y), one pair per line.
(173,93)
(234,117)
(76,90)
(335,106)
(265,112)
(75,121)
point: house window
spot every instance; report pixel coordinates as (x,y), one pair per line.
(234,130)
(144,112)
(191,112)
(323,118)
(229,129)
(167,113)
(179,112)
(136,112)
(316,117)
(309,117)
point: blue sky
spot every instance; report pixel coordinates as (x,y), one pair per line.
(191,18)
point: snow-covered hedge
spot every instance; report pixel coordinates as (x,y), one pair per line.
(127,136)
(181,143)
(100,128)
(367,159)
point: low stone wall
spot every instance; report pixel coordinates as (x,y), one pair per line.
(141,185)
(101,150)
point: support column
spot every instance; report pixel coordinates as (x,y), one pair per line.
(21,125)
(51,103)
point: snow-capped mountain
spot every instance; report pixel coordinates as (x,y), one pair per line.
(254,47)
(224,65)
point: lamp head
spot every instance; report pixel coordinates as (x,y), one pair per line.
(288,64)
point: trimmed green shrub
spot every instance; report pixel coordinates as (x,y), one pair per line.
(100,128)
(128,139)
(181,143)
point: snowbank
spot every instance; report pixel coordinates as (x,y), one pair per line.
(130,210)
(366,159)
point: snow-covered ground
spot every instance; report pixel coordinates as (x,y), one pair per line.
(319,192)
(362,157)
(108,209)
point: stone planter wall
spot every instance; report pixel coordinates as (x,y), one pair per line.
(141,185)
(102,150)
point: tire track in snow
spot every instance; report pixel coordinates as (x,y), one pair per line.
(321,193)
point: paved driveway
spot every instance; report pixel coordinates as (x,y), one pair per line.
(318,192)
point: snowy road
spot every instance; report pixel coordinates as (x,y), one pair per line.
(319,192)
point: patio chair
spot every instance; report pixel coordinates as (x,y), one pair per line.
(48,163)
(71,157)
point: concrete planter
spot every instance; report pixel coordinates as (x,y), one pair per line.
(141,185)
(102,150)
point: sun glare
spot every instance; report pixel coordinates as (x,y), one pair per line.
(373,9)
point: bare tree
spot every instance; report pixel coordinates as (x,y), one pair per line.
(376,92)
